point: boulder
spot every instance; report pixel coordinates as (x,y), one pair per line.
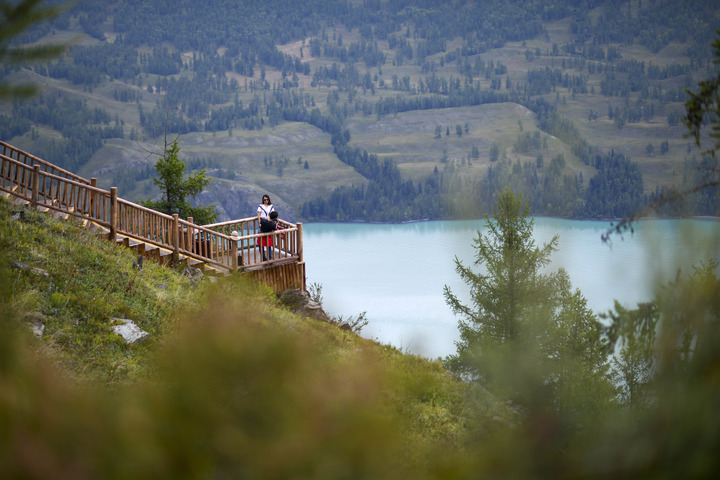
(129,331)
(194,274)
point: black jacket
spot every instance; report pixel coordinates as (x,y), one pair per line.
(267,226)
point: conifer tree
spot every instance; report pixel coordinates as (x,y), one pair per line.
(175,189)
(502,297)
(526,333)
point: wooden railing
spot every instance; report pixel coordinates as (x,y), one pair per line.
(231,246)
(31,160)
(286,240)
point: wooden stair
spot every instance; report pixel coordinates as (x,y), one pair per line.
(149,251)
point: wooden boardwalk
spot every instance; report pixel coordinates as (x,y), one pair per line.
(219,249)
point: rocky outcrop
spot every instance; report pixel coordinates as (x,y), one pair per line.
(299,302)
(34,270)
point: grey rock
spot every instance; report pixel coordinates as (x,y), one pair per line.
(194,274)
(129,331)
(313,305)
(25,266)
(299,302)
(37,327)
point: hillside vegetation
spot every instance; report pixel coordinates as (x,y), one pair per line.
(230,382)
(376,110)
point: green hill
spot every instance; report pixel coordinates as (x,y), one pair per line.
(229,382)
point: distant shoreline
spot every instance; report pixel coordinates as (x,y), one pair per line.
(708,218)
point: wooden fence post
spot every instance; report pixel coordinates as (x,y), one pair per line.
(35,186)
(93,183)
(190,237)
(176,240)
(299,242)
(113,214)
(234,250)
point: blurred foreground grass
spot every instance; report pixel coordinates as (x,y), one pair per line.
(230,383)
(233,385)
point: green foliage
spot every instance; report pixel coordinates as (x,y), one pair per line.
(673,385)
(387,197)
(84,129)
(633,332)
(703,108)
(204,90)
(231,386)
(701,179)
(11,126)
(16,18)
(526,332)
(175,189)
(617,189)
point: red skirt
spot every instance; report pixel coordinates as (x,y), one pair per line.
(266,241)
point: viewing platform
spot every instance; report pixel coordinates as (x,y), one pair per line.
(220,248)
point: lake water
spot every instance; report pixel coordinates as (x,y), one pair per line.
(395,273)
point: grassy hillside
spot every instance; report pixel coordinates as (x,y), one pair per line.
(230,381)
(233,384)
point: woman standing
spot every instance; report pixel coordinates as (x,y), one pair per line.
(265,208)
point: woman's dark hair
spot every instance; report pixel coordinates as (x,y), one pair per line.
(264,197)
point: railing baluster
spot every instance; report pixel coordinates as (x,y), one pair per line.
(50,197)
(73,197)
(113,213)
(175,239)
(189,236)
(65,194)
(35,186)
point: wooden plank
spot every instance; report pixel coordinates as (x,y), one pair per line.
(288,276)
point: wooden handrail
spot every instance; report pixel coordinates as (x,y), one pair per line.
(30,160)
(73,195)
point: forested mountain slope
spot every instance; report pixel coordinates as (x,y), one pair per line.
(379,110)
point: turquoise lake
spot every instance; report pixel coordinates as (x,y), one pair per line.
(395,273)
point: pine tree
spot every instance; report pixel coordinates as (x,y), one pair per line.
(526,333)
(500,298)
(175,189)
